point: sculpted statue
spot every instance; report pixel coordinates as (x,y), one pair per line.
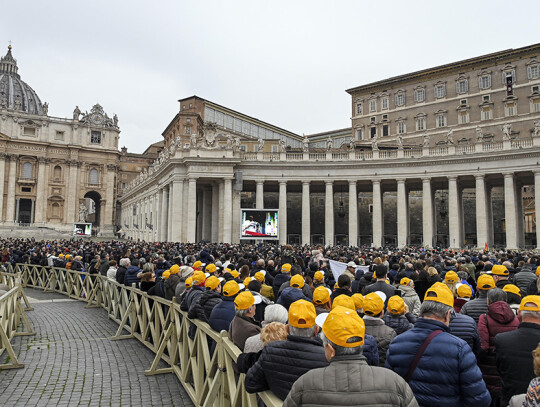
(17,103)
(45,108)
(329,143)
(305,143)
(229,144)
(115,120)
(260,145)
(282,146)
(178,142)
(4,102)
(399,140)
(76,113)
(450,136)
(193,141)
(536,128)
(352,144)
(425,142)
(83,212)
(507,131)
(210,139)
(374,145)
(479,134)
(237,142)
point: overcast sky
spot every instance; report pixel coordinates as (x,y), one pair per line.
(285,62)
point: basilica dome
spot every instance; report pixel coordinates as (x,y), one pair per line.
(15,94)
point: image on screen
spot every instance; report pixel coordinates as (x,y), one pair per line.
(82,229)
(259,224)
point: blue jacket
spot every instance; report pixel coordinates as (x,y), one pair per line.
(290,295)
(464,327)
(131,275)
(279,279)
(371,352)
(222,315)
(447,374)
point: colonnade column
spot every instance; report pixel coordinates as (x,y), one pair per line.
(537,205)
(41,191)
(164,217)
(519,215)
(306,214)
(329,214)
(353,214)
(482,212)
(427,213)
(10,207)
(510,211)
(215,213)
(402,213)
(282,212)
(170,209)
(191,210)
(259,195)
(207,214)
(107,219)
(176,210)
(220,211)
(235,217)
(377,214)
(2,178)
(455,224)
(227,210)
(155,227)
(72,192)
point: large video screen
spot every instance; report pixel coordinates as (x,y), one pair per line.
(259,224)
(82,229)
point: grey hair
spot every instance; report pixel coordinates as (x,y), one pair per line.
(303,332)
(275,313)
(496,294)
(125,262)
(530,314)
(148,267)
(242,312)
(434,308)
(341,350)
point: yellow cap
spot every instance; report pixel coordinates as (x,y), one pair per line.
(396,305)
(230,288)
(166,274)
(189,282)
(210,268)
(499,270)
(341,324)
(198,277)
(373,304)
(343,301)
(61,256)
(297,281)
(302,314)
(244,300)
(511,288)
(485,282)
(464,291)
(321,295)
(319,276)
(440,294)
(336,285)
(175,268)
(246,281)
(358,301)
(259,276)
(197,265)
(235,273)
(211,282)
(405,281)
(530,303)
(538,271)
(286,268)
(451,277)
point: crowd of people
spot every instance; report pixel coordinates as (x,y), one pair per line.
(396,327)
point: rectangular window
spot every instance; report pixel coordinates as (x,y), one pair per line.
(533,71)
(463,117)
(228,121)
(400,99)
(275,149)
(384,103)
(359,134)
(486,113)
(535,105)
(385,117)
(440,91)
(59,135)
(385,130)
(243,148)
(485,98)
(95,137)
(420,123)
(372,119)
(484,82)
(510,109)
(123,185)
(359,108)
(441,120)
(373,105)
(511,73)
(373,132)
(463,102)
(535,89)
(401,127)
(419,95)
(462,86)
(29,131)
(188,129)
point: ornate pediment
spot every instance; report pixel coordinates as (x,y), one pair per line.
(98,117)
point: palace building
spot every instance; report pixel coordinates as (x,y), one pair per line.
(442,156)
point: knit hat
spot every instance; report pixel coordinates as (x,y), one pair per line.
(319,276)
(297,281)
(259,275)
(245,300)
(343,301)
(212,282)
(321,295)
(286,268)
(396,305)
(500,270)
(373,304)
(440,294)
(302,314)
(485,282)
(230,288)
(341,324)
(530,303)
(405,281)
(358,301)
(464,291)
(451,277)
(511,288)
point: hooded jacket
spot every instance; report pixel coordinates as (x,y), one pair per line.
(399,323)
(279,279)
(222,314)
(411,298)
(364,281)
(131,275)
(191,297)
(204,306)
(290,295)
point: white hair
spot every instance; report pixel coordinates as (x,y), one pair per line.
(275,313)
(125,262)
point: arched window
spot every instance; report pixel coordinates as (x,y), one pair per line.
(94,176)
(27,170)
(56,210)
(57,172)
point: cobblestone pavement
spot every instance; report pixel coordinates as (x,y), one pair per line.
(72,362)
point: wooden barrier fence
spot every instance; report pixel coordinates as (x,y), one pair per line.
(204,364)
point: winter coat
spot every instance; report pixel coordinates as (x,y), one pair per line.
(499,318)
(475,308)
(103,267)
(279,279)
(242,328)
(366,280)
(120,274)
(222,315)
(532,289)
(399,323)
(170,286)
(380,286)
(340,291)
(290,295)
(514,360)
(349,381)
(111,273)
(356,282)
(459,303)
(147,285)
(464,327)
(411,298)
(308,292)
(446,375)
(383,335)
(421,286)
(371,351)
(157,289)
(268,292)
(282,363)
(131,275)
(261,307)
(191,297)
(524,278)
(202,308)
(76,265)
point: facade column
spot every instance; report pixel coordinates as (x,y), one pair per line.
(329,214)
(519,215)
(282,212)
(537,205)
(40,192)
(192,210)
(164,208)
(377,214)
(176,210)
(353,214)
(215,213)
(184,209)
(402,214)
(107,218)
(427,213)
(72,193)
(259,195)
(510,211)
(454,214)
(154,219)
(236,217)
(227,210)
(207,214)
(170,206)
(220,212)
(306,214)
(482,212)
(2,184)
(12,177)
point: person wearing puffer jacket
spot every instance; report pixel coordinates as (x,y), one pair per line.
(375,326)
(224,312)
(202,308)
(409,295)
(131,273)
(446,374)
(526,276)
(478,306)
(293,293)
(464,327)
(281,278)
(398,316)
(196,291)
(499,318)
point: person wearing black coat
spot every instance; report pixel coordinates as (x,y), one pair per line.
(364,281)
(202,309)
(465,328)
(513,350)
(121,274)
(281,278)
(224,312)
